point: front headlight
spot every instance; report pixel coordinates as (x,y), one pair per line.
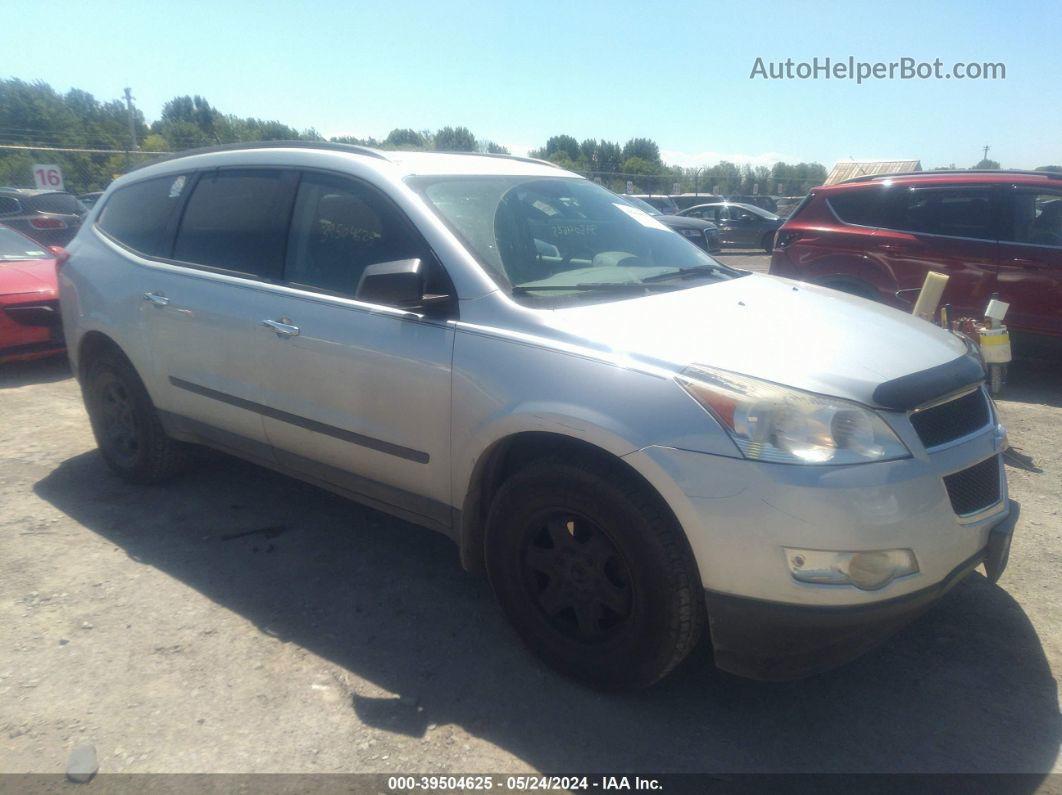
(689,232)
(769,422)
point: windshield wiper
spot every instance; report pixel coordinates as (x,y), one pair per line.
(521,289)
(687,273)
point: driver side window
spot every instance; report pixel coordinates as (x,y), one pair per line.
(339,228)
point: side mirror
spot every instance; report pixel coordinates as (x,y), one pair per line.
(399,283)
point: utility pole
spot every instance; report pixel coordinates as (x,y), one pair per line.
(987,147)
(129,112)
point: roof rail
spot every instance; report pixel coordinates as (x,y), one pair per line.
(335,147)
(327,145)
(945,172)
(520,158)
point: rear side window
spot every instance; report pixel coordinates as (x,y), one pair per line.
(955,212)
(137,215)
(9,205)
(56,203)
(859,207)
(1036,218)
(236,221)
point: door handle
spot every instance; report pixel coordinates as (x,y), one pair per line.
(283,328)
(156,299)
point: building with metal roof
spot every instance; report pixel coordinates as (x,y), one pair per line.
(862,168)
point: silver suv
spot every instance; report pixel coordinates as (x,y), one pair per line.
(634,442)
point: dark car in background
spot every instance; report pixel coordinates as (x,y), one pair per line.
(988,231)
(89,199)
(50,217)
(740,225)
(683,201)
(762,201)
(703,234)
(659,201)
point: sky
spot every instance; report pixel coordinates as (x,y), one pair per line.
(517,73)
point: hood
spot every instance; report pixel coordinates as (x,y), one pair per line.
(780,330)
(682,222)
(27,276)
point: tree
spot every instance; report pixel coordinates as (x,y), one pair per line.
(494,149)
(191,118)
(987,164)
(350,139)
(455,139)
(562,143)
(1049,168)
(638,165)
(609,157)
(643,148)
(404,138)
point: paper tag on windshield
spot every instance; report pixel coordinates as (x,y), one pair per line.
(640,216)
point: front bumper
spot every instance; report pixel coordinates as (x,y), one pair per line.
(775,641)
(740,516)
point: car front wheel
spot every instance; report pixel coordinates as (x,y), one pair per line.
(594,573)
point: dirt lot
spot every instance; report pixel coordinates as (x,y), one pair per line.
(235,620)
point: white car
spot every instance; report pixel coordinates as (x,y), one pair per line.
(633,441)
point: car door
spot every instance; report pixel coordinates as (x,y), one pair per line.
(202,308)
(950,230)
(746,228)
(358,394)
(1030,261)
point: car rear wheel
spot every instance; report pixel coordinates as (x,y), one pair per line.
(768,242)
(594,573)
(128,432)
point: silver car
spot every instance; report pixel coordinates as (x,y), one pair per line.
(635,443)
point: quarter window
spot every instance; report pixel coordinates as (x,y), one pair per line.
(956,212)
(137,215)
(235,220)
(859,207)
(341,227)
(1036,218)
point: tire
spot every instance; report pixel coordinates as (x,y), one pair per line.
(126,426)
(594,573)
(768,242)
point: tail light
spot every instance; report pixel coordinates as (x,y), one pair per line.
(61,256)
(786,237)
(42,222)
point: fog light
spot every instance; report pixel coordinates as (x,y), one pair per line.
(867,570)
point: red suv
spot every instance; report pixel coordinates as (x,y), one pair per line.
(989,231)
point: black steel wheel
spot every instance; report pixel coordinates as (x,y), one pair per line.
(593,571)
(128,431)
(577,577)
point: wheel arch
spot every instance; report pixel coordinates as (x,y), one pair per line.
(92,344)
(506,456)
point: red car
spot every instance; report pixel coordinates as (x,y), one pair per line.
(989,231)
(29,298)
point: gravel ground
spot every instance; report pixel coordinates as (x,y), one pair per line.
(238,621)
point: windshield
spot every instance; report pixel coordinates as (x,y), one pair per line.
(558,240)
(14,246)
